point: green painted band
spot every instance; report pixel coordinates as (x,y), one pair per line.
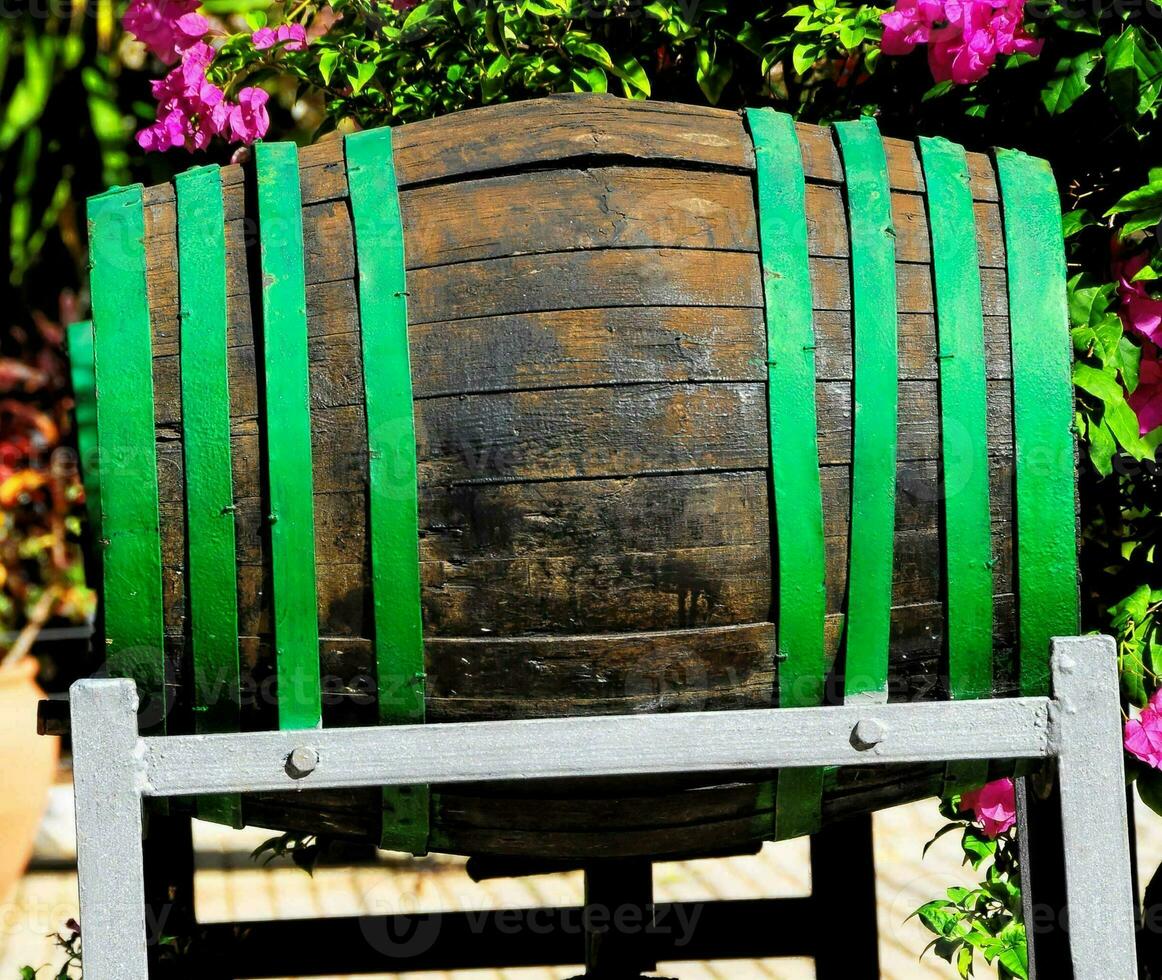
(393,497)
(1048,601)
(81,373)
(801,600)
(287,418)
(964,433)
(126,450)
(867,633)
(211,580)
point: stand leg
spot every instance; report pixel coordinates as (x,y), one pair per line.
(843,876)
(1042,877)
(1095,828)
(169,891)
(619,912)
(110,866)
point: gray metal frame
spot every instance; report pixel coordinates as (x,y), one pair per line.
(114,768)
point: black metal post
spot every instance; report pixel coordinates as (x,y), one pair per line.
(843,876)
(1042,857)
(619,917)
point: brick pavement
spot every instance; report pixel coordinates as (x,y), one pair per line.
(229,886)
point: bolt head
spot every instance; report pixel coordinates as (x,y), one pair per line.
(302,762)
(868,733)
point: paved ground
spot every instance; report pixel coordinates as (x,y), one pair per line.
(231,887)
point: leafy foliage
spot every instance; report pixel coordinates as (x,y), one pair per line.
(985,920)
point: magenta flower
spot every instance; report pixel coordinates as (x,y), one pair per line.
(1146,401)
(1143,735)
(293,37)
(1140,312)
(964,37)
(191,110)
(165,27)
(249,119)
(993,806)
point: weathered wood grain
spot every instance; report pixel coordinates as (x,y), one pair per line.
(588,353)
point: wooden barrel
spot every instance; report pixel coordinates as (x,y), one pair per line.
(596,292)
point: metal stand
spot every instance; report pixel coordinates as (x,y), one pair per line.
(114,769)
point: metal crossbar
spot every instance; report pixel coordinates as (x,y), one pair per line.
(114,769)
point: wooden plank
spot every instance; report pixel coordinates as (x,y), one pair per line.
(680,587)
(571,210)
(831,281)
(682,670)
(565,127)
(821,161)
(555,519)
(828,231)
(573,280)
(591,432)
(917,339)
(919,432)
(583,347)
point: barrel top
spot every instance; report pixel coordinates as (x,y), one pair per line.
(582,129)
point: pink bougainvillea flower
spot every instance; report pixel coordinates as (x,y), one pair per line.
(190,109)
(1143,735)
(1140,312)
(249,119)
(293,37)
(165,27)
(964,37)
(993,806)
(1146,401)
(404,5)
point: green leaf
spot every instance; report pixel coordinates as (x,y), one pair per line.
(803,57)
(588,49)
(948,828)
(1088,304)
(363,74)
(1133,72)
(256,19)
(589,79)
(711,75)
(1102,446)
(328,61)
(1132,668)
(1129,361)
(630,71)
(418,15)
(1075,221)
(1148,196)
(1069,83)
(937,90)
(977,848)
(1124,425)
(1101,384)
